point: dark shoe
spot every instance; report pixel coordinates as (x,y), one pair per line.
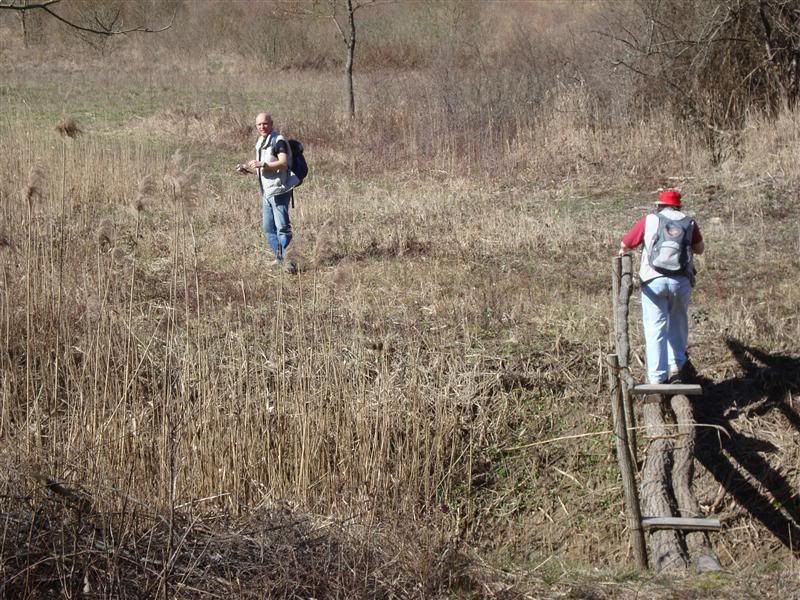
(290,267)
(683,375)
(675,377)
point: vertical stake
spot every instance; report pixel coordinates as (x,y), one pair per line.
(622,287)
(631,497)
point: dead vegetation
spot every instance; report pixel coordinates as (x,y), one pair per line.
(67,547)
(422,412)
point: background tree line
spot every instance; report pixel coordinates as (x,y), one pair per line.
(706,63)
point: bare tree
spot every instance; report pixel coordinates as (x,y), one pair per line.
(342,14)
(98,25)
(349,39)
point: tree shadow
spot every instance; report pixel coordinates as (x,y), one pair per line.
(768,383)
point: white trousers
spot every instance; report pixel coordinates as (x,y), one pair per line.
(665,316)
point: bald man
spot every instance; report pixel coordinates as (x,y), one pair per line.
(275,181)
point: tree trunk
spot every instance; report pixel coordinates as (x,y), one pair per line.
(348,69)
(697,543)
(665,549)
(24,30)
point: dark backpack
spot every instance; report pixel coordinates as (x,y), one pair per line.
(669,252)
(298,164)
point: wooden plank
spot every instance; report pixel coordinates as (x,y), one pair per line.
(683,523)
(669,389)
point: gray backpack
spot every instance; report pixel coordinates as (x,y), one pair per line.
(669,252)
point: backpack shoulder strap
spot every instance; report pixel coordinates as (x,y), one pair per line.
(654,228)
(275,139)
(260,146)
(690,225)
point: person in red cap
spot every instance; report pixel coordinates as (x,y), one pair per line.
(670,239)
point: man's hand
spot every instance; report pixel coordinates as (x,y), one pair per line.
(623,249)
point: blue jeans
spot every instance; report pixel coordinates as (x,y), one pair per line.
(665,316)
(275,222)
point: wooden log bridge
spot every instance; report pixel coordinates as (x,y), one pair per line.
(679,542)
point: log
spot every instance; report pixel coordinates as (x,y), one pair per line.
(632,511)
(698,545)
(665,549)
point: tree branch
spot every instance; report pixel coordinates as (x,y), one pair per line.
(333,18)
(104,30)
(21,7)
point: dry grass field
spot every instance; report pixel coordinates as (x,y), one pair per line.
(420,412)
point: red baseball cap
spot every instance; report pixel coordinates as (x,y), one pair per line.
(669,198)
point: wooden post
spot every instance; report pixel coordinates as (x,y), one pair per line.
(626,466)
(622,287)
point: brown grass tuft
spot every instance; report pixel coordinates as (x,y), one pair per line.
(33,190)
(181,181)
(146,190)
(147,186)
(69,128)
(323,246)
(105,234)
(139,203)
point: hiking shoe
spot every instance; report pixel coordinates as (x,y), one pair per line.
(675,376)
(290,267)
(276,264)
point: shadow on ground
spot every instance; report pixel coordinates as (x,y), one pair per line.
(736,460)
